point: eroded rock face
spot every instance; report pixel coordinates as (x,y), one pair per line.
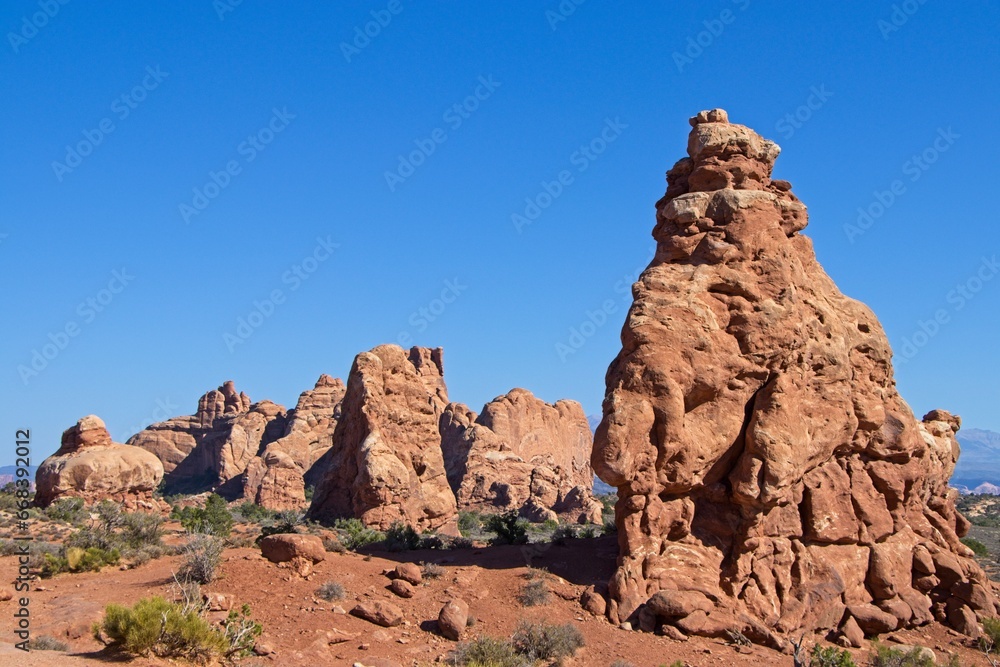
(524,454)
(90,466)
(770,477)
(386,466)
(278,476)
(211,449)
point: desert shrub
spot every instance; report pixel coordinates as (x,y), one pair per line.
(461,543)
(977,547)
(355,535)
(334,545)
(534,593)
(542,641)
(469,522)
(883,656)
(487,652)
(212,519)
(508,528)
(77,559)
(202,555)
(401,537)
(330,591)
(563,533)
(251,512)
(610,527)
(241,632)
(431,570)
(141,529)
(47,643)
(9,547)
(70,510)
(588,532)
(276,529)
(830,656)
(622,663)
(159,627)
(990,641)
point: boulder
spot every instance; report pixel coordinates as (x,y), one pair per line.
(285,547)
(381,613)
(387,466)
(751,424)
(453,619)
(90,466)
(408,572)
(402,588)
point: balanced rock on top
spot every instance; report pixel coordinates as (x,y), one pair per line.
(762,455)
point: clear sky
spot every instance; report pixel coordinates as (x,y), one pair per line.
(169,169)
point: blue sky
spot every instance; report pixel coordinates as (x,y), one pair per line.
(232,159)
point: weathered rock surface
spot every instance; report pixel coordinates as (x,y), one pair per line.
(90,466)
(378,612)
(286,547)
(524,454)
(766,466)
(453,618)
(386,466)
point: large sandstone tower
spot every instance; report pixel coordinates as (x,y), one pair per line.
(770,477)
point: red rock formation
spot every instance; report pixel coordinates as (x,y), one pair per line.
(523,454)
(90,466)
(386,466)
(770,478)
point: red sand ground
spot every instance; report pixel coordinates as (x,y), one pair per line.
(296,623)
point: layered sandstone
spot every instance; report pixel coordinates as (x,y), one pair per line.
(387,466)
(521,454)
(90,466)
(770,477)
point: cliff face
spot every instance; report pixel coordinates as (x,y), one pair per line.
(770,477)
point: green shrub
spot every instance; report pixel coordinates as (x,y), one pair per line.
(355,535)
(469,523)
(402,537)
(542,641)
(610,527)
(990,641)
(141,529)
(241,632)
(202,555)
(830,656)
(883,656)
(77,559)
(159,627)
(330,591)
(431,570)
(212,519)
(588,532)
(508,528)
(47,643)
(977,547)
(564,533)
(487,652)
(276,529)
(70,510)
(250,512)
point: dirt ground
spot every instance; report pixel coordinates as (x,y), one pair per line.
(305,630)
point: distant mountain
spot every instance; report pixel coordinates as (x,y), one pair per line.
(8,474)
(980,459)
(594,421)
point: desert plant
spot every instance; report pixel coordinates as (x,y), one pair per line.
(354,534)
(77,559)
(884,656)
(487,652)
(977,547)
(202,555)
(47,643)
(212,519)
(543,641)
(469,522)
(162,628)
(330,591)
(588,532)
(989,643)
(508,528)
(431,570)
(534,593)
(241,632)
(402,537)
(564,533)
(334,545)
(275,529)
(70,510)
(830,656)
(141,529)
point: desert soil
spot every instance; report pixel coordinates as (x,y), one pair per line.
(305,630)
